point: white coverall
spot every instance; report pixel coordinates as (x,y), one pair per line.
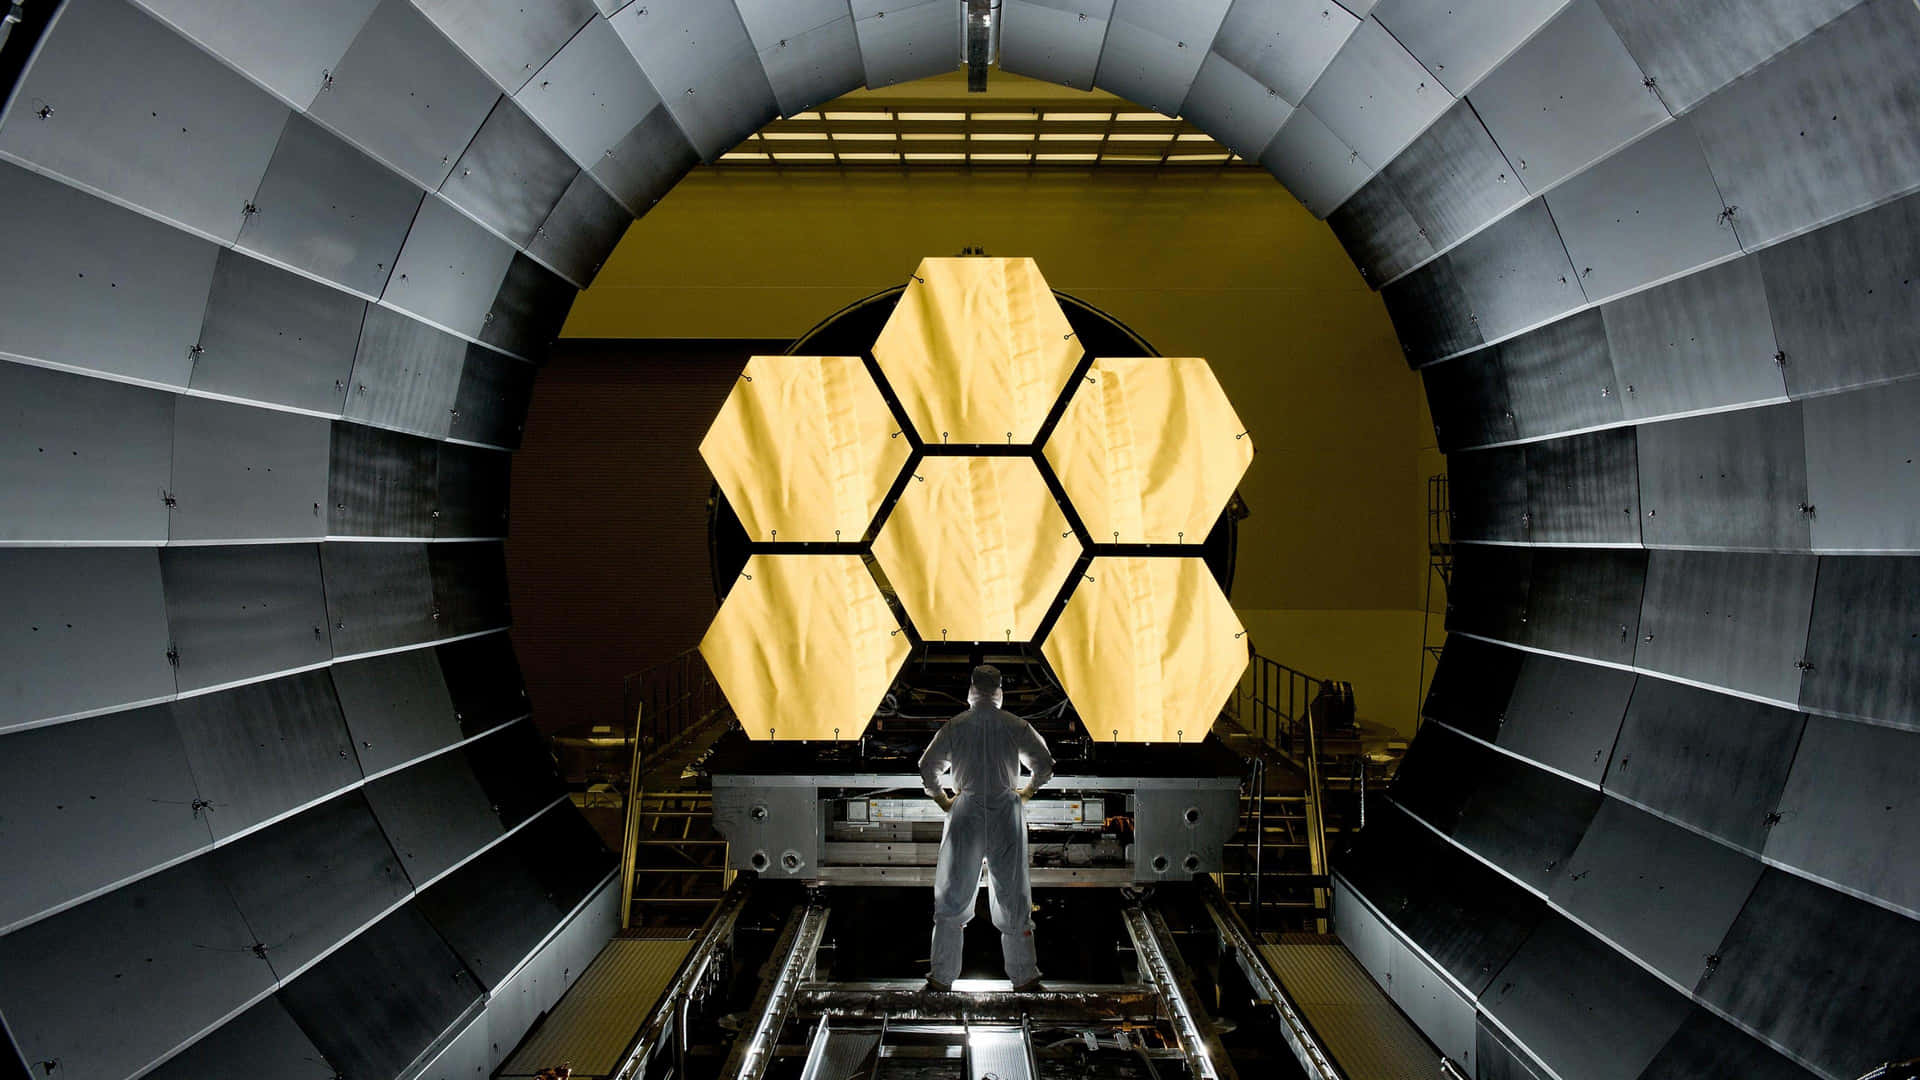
(985,747)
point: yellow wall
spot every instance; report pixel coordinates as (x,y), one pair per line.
(1215,263)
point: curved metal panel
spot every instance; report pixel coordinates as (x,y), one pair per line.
(274,336)
(1586,602)
(328,210)
(1606,1024)
(311,881)
(1706,1044)
(1835,815)
(1823,975)
(244,611)
(1861,659)
(1462,42)
(379,1003)
(71,258)
(241,473)
(1453,179)
(262,749)
(509,39)
(1432,316)
(1472,685)
(287,46)
(83,628)
(1827,127)
(910,40)
(483,675)
(1860,478)
(379,596)
(1154,49)
(646,162)
(106,988)
(511,176)
(495,910)
(527,311)
(406,374)
(1659,892)
(88,803)
(1488,595)
(1516,275)
(1380,234)
(378,483)
(590,94)
(469,587)
(1643,215)
(1235,108)
(1691,50)
(1726,480)
(1285,44)
(1469,401)
(448,269)
(581,232)
(434,813)
(698,55)
(1727,619)
(1566,715)
(1437,778)
(406,95)
(1313,164)
(472,496)
(396,707)
(1560,377)
(262,1043)
(1487,492)
(516,768)
(1567,98)
(84,459)
(809,51)
(1704,341)
(1375,96)
(1584,489)
(1522,819)
(195,159)
(1055,40)
(1845,303)
(1499,1059)
(1708,761)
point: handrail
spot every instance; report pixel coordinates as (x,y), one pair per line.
(630,848)
(1290,728)
(667,702)
(1316,823)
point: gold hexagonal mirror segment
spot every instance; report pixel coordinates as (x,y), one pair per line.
(805,448)
(1149,452)
(976,548)
(804,647)
(1148,649)
(977,351)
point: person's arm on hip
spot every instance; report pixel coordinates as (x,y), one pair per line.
(1036,757)
(937,759)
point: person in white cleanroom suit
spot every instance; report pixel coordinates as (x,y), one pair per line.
(984,748)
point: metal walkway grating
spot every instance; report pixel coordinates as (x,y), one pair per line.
(1364,1031)
(601,1013)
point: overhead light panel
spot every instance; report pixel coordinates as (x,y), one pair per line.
(1078,117)
(1003,136)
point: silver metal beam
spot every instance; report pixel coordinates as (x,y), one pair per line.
(1160,961)
(797,947)
(1306,1047)
(1060,1002)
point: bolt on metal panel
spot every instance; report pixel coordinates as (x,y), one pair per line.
(88,460)
(516,770)
(1284,44)
(1516,275)
(379,483)
(91,802)
(483,675)
(510,40)
(1727,480)
(1584,489)
(1488,595)
(908,40)
(84,629)
(469,586)
(1236,109)
(1646,214)
(1379,233)
(448,270)
(1055,40)
(396,707)
(1560,377)
(1154,48)
(1566,715)
(110,987)
(406,374)
(527,312)
(493,911)
(1586,602)
(1861,478)
(273,336)
(1691,50)
(1837,816)
(1522,819)
(1828,127)
(472,492)
(1462,42)
(1860,654)
(242,612)
(1469,400)
(243,473)
(491,404)
(261,1042)
(1845,301)
(1567,98)
(327,210)
(1727,619)
(698,56)
(1453,179)
(644,164)
(117,103)
(263,749)
(1704,341)
(1313,164)
(581,232)
(406,95)
(1473,685)
(1432,316)
(1375,96)
(1487,492)
(1606,1024)
(434,814)
(379,596)
(590,94)
(72,259)
(812,66)
(511,176)
(288,46)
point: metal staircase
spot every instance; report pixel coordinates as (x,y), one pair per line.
(1439,568)
(674,863)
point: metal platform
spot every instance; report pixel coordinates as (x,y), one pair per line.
(594,1024)
(1366,1034)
